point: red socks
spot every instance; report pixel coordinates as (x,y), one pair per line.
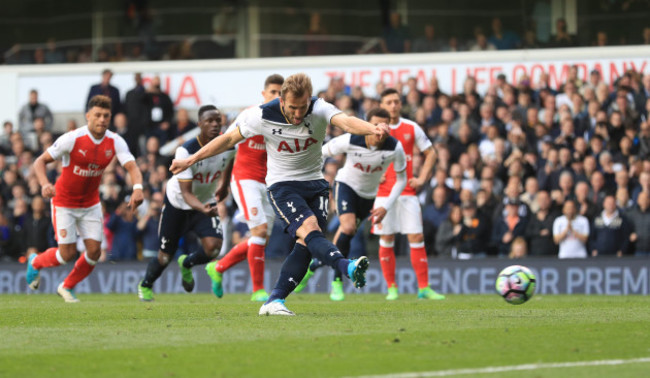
(82,268)
(420,264)
(51,257)
(387,261)
(235,256)
(256,261)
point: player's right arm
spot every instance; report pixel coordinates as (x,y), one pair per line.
(336,146)
(215,147)
(61,146)
(190,199)
(47,189)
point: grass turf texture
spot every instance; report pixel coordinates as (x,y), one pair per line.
(198,335)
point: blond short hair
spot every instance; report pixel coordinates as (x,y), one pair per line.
(297,84)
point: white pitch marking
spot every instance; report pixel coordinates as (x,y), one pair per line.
(500,369)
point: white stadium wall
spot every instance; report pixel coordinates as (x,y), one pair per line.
(236,83)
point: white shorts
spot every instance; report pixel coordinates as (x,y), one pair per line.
(405,217)
(253,202)
(87,221)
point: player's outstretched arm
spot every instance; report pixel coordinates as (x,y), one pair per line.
(47,189)
(136,178)
(427,169)
(357,126)
(215,147)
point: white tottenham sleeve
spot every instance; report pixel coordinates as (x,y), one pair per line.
(397,189)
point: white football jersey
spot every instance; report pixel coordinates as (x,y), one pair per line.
(294,151)
(364,166)
(204,175)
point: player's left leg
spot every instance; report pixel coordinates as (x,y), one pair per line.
(304,209)
(209,231)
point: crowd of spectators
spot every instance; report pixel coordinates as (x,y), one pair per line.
(522,169)
(316,39)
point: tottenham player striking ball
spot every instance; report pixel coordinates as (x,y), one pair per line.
(516,284)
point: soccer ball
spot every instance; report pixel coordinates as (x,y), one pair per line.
(516,284)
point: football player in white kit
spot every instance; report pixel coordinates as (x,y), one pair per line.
(356,185)
(248,188)
(294,128)
(191,204)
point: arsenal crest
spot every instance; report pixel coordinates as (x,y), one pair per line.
(254,211)
(109,153)
(407,137)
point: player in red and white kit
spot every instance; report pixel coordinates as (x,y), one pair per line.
(85,153)
(405,216)
(248,188)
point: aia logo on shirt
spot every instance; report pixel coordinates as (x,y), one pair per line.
(285,147)
(207,178)
(368,168)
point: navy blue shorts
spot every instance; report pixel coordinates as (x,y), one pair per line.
(348,201)
(174,223)
(295,201)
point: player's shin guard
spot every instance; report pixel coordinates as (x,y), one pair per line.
(324,250)
(51,257)
(196,258)
(292,272)
(343,244)
(420,264)
(82,268)
(236,255)
(387,261)
(154,270)
(256,261)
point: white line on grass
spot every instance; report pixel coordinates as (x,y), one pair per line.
(500,369)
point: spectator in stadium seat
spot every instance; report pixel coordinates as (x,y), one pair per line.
(586,207)
(396,37)
(539,230)
(447,236)
(503,39)
(508,227)
(640,222)
(124,227)
(160,110)
(428,42)
(36,227)
(137,117)
(32,110)
(610,235)
(105,88)
(183,123)
(148,226)
(482,43)
(518,248)
(474,235)
(561,38)
(571,232)
(433,215)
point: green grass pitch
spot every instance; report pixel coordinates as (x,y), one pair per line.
(197,335)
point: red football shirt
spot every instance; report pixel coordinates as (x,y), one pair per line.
(84,160)
(410,134)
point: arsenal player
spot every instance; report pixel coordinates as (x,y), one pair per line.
(85,153)
(406,216)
